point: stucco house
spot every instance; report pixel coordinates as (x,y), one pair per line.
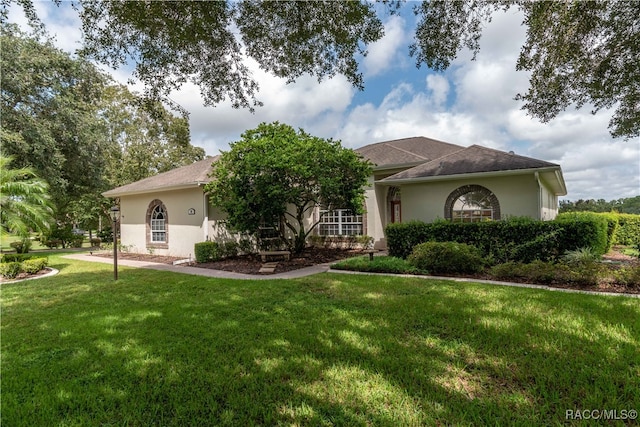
(413,179)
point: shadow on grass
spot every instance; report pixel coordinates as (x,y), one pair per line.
(171,349)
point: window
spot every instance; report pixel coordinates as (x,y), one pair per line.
(340,222)
(158,225)
(472,203)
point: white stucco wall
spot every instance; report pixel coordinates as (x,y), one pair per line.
(184,230)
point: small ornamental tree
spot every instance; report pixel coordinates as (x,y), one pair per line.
(276,175)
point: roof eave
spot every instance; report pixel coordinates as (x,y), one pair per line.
(400,181)
(116,193)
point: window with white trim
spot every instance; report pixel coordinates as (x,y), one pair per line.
(473,206)
(340,222)
(158,225)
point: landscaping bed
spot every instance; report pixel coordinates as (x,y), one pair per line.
(603,276)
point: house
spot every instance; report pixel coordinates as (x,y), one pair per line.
(413,179)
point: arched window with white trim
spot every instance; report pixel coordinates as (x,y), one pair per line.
(157,225)
(472,203)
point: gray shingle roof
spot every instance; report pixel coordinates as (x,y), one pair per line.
(185,176)
(406,151)
(473,159)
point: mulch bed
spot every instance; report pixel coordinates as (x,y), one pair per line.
(250,264)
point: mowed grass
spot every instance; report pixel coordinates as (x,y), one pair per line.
(157,348)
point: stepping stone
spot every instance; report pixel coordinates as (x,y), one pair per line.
(268,267)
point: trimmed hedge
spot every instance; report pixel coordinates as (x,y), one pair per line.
(517,239)
(11,266)
(446,257)
(10,270)
(628,232)
(207,251)
(17,257)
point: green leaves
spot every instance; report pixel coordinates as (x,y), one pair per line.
(275,175)
(24,200)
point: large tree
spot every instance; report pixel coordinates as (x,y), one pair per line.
(49,114)
(275,176)
(80,131)
(578,53)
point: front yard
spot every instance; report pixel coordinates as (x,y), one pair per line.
(331,349)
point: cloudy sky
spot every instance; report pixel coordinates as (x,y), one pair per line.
(471,103)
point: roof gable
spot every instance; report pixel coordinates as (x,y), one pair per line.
(406,151)
(473,159)
(185,176)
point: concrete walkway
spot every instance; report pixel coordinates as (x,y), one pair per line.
(207,272)
(308,271)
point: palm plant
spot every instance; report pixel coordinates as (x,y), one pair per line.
(25,204)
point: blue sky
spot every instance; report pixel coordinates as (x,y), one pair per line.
(471,103)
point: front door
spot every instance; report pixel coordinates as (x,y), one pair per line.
(396,211)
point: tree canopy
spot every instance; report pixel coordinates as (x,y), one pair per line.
(630,205)
(275,176)
(577,53)
(77,129)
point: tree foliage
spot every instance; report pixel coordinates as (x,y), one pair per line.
(25,204)
(630,205)
(276,176)
(78,130)
(578,53)
(49,114)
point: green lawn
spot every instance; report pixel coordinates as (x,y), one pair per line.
(155,348)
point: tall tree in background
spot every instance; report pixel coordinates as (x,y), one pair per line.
(144,139)
(578,53)
(78,130)
(49,115)
(275,176)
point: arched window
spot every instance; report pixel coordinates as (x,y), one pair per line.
(472,203)
(157,224)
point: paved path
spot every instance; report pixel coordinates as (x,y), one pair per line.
(308,271)
(207,272)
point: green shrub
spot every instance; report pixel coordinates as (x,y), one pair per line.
(446,257)
(17,257)
(628,232)
(581,256)
(10,270)
(543,248)
(247,245)
(76,241)
(21,246)
(515,239)
(628,276)
(379,264)
(229,249)
(207,251)
(534,272)
(34,265)
(584,229)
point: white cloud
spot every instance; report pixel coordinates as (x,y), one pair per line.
(439,87)
(388,52)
